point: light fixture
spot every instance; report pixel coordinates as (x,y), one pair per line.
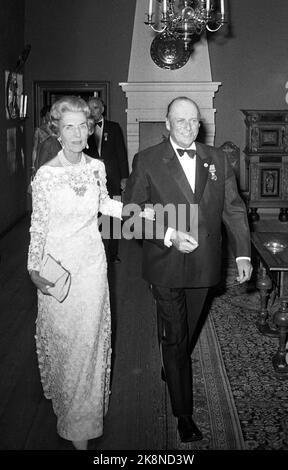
(181,20)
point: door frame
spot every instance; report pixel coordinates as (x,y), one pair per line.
(47,91)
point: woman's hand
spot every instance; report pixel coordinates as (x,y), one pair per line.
(148,213)
(40,282)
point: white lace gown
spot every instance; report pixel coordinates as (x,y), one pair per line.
(73,337)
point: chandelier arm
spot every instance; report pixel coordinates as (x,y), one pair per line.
(158,30)
(175,26)
(213,30)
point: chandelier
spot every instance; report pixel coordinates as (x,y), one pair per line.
(179,22)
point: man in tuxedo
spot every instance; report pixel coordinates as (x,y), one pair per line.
(107,143)
(183,261)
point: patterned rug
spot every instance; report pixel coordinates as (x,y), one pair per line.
(260,398)
(214,407)
(239,404)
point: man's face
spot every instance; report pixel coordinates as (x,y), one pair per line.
(97,109)
(183,123)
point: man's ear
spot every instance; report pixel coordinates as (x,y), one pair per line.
(167,123)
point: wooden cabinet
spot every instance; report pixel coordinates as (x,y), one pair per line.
(267,161)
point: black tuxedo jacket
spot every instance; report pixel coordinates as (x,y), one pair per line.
(158,178)
(47,150)
(113,152)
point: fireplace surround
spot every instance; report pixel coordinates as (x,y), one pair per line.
(148,101)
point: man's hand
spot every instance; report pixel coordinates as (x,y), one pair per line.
(244,270)
(40,282)
(183,241)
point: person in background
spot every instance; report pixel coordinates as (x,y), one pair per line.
(48,150)
(41,134)
(107,144)
(45,145)
(183,261)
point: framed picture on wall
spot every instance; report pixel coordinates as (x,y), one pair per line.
(13,94)
(47,92)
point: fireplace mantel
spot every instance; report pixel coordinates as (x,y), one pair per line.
(148,101)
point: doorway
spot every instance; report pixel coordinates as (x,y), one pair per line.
(47,92)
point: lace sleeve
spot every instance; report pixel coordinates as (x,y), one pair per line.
(108,206)
(39,220)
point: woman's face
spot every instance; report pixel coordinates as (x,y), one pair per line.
(73,131)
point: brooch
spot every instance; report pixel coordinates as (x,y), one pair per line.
(80,190)
(212,171)
(97,177)
(96,173)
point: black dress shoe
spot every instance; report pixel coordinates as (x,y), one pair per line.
(188,431)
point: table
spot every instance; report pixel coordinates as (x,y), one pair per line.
(273,276)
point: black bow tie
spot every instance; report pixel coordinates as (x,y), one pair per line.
(99,123)
(190,152)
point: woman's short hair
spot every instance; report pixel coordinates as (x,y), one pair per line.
(70,104)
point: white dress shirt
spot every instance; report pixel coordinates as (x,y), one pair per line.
(188,164)
(98,131)
(189,167)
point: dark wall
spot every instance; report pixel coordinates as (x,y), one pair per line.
(12,183)
(90,40)
(252,64)
(80,40)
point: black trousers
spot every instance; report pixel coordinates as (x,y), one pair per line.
(181,313)
(111,242)
(111,248)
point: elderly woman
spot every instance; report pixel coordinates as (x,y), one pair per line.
(73,336)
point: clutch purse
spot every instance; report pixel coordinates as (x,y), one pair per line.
(53,271)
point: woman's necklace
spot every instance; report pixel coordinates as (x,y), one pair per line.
(65,162)
(78,179)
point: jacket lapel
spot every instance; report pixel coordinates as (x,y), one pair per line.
(202,170)
(177,173)
(104,132)
(93,146)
